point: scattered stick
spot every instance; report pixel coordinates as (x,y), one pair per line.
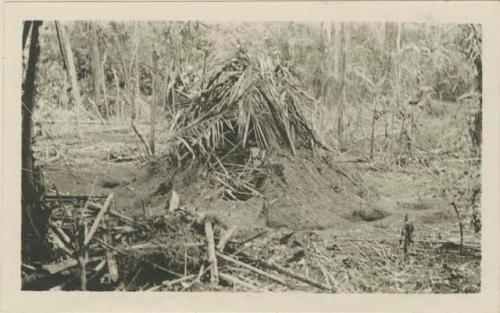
(214,273)
(253,269)
(325,274)
(372,137)
(242,243)
(253,237)
(201,272)
(27,267)
(57,241)
(460,226)
(133,278)
(139,258)
(112,212)
(82,255)
(41,281)
(185,261)
(112,266)
(170,283)
(55,268)
(100,266)
(124,159)
(225,238)
(283,271)
(174,201)
(71,198)
(235,281)
(141,138)
(144,212)
(360,251)
(62,236)
(341,171)
(99,217)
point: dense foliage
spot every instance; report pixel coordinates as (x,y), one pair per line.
(186,48)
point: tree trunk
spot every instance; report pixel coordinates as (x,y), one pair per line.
(135,65)
(325,46)
(397,71)
(26,31)
(407,142)
(460,225)
(61,49)
(71,72)
(478,63)
(391,46)
(382,46)
(372,137)
(96,68)
(344,42)
(328,28)
(153,106)
(104,91)
(477,129)
(34,219)
(336,50)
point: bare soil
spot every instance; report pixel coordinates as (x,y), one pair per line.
(347,205)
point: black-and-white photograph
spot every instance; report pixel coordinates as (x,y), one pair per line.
(251,156)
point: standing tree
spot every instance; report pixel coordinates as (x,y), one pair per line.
(96,69)
(392,39)
(471,46)
(35,218)
(336,50)
(343,37)
(156,96)
(71,72)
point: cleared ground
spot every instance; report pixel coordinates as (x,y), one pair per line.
(336,218)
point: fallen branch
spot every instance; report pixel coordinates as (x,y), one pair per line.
(44,281)
(253,237)
(112,212)
(235,281)
(214,272)
(71,198)
(98,219)
(225,238)
(112,266)
(55,268)
(124,159)
(62,236)
(82,254)
(173,203)
(460,226)
(253,269)
(106,245)
(242,243)
(289,273)
(58,242)
(141,138)
(201,272)
(169,283)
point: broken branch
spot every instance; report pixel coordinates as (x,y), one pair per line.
(98,219)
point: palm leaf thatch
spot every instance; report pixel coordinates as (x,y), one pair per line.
(247,101)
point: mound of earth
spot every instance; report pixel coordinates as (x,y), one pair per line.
(301,192)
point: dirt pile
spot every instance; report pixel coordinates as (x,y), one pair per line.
(299,192)
(244,148)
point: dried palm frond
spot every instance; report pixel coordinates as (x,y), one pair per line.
(247,101)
